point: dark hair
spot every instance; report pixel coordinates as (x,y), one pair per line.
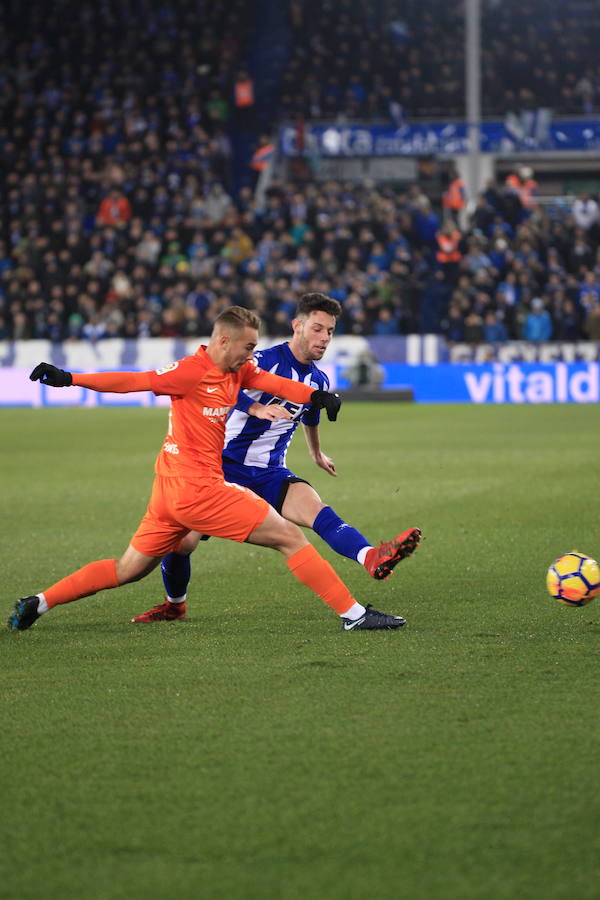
(238,317)
(316,302)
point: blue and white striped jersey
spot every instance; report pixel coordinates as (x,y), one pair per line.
(255,442)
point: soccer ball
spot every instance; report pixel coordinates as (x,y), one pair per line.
(574,579)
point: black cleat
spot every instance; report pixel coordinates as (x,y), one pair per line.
(24,614)
(373,620)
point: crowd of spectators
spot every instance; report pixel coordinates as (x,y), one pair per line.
(118,218)
(386,59)
(114,116)
(525,272)
(119,268)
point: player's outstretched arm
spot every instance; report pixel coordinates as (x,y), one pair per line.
(115,382)
(176,379)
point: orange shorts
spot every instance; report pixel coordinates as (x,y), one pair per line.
(208,505)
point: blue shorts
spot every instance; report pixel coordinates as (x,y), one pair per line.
(271,483)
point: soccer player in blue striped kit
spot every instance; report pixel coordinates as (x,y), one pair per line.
(258,434)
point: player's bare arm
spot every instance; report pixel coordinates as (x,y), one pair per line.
(271,413)
(313,442)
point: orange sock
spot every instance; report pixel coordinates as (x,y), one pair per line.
(315,572)
(96,576)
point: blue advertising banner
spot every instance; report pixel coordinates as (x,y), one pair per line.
(498,382)
(418,139)
(444,383)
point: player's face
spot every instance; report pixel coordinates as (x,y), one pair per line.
(312,335)
(240,347)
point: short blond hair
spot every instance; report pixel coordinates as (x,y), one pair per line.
(237,317)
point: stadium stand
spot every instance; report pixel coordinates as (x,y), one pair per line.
(406,58)
(122,215)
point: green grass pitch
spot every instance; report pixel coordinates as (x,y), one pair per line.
(259,752)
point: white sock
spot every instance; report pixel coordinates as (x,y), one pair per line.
(354,613)
(362,555)
(42,605)
(176,599)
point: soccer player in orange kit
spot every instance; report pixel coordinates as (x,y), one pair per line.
(189,491)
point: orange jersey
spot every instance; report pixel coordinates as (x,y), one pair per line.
(202,398)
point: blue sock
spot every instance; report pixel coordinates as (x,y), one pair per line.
(340,536)
(176,573)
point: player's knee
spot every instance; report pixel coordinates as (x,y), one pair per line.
(291,538)
(279,534)
(315,511)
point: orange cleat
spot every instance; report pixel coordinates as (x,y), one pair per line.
(381,561)
(164,612)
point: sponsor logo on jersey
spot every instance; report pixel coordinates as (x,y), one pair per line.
(216,414)
(296,409)
(166,369)
(169,447)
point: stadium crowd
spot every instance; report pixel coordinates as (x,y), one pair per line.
(397,59)
(116,267)
(117,215)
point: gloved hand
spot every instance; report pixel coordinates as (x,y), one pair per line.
(47,374)
(329,402)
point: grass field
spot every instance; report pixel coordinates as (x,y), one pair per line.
(257,751)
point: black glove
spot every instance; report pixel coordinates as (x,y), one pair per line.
(329,402)
(48,374)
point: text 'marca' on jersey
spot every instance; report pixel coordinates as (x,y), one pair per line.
(256,442)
